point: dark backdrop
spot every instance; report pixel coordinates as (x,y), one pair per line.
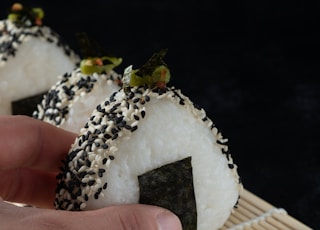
(253,66)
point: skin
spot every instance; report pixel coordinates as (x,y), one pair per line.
(29,161)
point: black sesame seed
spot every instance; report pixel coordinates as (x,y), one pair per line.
(50,40)
(104,161)
(136,100)
(103,128)
(72,154)
(99,108)
(131,95)
(100,172)
(91,139)
(114,130)
(115,136)
(79,163)
(96,195)
(84,155)
(108,136)
(143,113)
(134,128)
(111,116)
(91,182)
(119,119)
(113,109)
(122,124)
(105,185)
(82,174)
(197,106)
(111,157)
(99,120)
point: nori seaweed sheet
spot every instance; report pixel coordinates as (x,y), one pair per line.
(155,61)
(171,186)
(26,106)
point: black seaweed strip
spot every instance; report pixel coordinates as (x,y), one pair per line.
(26,106)
(171,187)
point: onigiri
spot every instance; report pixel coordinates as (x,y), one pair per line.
(69,103)
(150,130)
(32,55)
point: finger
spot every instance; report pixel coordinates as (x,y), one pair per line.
(136,216)
(142,217)
(28,186)
(27,142)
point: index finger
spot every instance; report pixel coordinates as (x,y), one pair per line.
(27,142)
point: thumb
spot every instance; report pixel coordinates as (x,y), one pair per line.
(135,216)
(122,217)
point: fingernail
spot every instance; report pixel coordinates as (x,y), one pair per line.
(168,221)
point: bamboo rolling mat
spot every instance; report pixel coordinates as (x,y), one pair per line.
(253,213)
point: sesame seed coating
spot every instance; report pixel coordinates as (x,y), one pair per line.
(12,36)
(112,120)
(56,104)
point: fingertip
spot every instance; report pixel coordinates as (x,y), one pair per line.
(168,221)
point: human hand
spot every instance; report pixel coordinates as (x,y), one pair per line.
(30,154)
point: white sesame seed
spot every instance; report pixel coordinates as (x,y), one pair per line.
(82,206)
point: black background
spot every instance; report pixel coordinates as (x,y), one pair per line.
(252,65)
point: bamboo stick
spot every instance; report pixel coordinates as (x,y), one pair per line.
(290,222)
(245,212)
(276,223)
